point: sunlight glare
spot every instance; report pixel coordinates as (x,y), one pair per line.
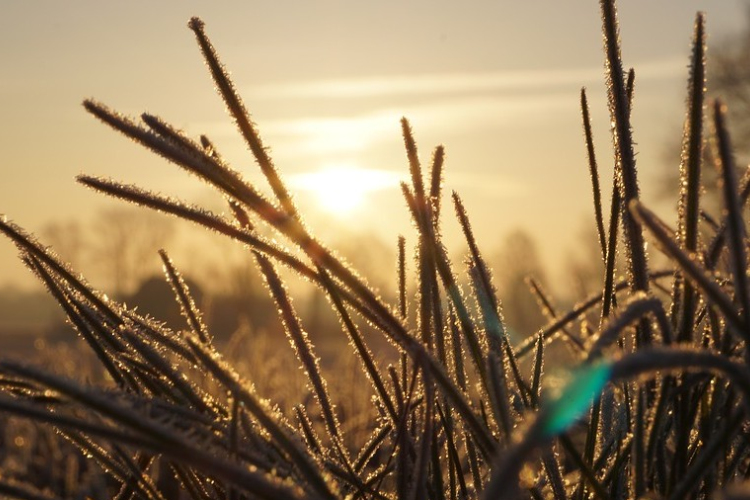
(342,189)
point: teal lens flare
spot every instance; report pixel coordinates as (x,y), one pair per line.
(584,385)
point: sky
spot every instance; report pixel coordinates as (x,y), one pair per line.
(496,82)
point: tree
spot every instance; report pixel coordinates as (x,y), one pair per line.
(68,239)
(370,256)
(585,267)
(728,78)
(125,242)
(118,245)
(515,261)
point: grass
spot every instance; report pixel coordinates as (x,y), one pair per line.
(655,407)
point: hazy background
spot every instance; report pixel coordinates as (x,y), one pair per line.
(496,82)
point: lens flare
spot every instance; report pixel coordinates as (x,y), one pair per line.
(574,399)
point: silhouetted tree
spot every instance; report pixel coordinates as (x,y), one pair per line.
(728,78)
(125,242)
(515,261)
(243,299)
(121,244)
(156,298)
(68,238)
(585,266)
(370,256)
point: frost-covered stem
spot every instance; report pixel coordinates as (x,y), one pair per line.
(619,107)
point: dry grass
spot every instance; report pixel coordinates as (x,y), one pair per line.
(656,405)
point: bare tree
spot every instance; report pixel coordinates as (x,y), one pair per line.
(124,245)
(68,238)
(516,260)
(585,266)
(369,256)
(728,78)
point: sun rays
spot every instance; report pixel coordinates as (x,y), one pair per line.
(343,189)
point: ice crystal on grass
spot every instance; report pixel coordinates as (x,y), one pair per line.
(460,414)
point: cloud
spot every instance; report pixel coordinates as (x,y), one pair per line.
(367,180)
(452,83)
(320,135)
(491,184)
(323,135)
(449,104)
(344,177)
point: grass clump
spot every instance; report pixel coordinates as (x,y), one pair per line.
(656,406)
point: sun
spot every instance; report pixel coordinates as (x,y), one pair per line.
(339,189)
(342,189)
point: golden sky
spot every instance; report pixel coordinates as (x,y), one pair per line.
(496,82)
